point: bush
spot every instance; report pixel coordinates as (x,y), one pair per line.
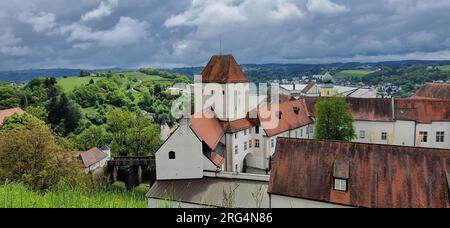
(32,155)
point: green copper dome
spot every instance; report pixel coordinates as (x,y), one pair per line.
(327,78)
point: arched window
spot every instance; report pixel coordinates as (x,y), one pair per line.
(172,155)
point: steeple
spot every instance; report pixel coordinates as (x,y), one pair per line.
(223,69)
(327,80)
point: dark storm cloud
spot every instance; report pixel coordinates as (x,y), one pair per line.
(133,33)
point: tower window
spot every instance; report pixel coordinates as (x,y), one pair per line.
(257,129)
(257,143)
(172,155)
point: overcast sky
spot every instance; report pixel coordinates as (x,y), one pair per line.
(168,33)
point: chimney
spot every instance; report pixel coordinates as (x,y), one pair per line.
(279,114)
(297,110)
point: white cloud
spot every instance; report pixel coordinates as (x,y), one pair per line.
(10,45)
(103,10)
(227,12)
(127,31)
(325,6)
(285,10)
(41,22)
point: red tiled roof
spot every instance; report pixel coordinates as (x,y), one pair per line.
(363,109)
(268,115)
(380,176)
(9,112)
(223,69)
(92,156)
(236,126)
(207,128)
(433,91)
(422,110)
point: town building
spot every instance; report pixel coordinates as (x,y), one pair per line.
(95,159)
(230,139)
(330,174)
(326,89)
(9,112)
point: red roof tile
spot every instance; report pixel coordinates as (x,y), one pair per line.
(363,109)
(422,110)
(268,116)
(380,176)
(207,128)
(9,112)
(223,69)
(92,156)
(236,126)
(434,91)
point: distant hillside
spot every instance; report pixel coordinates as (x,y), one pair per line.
(264,72)
(255,72)
(21,76)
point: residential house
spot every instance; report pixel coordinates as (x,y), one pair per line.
(331,174)
(95,159)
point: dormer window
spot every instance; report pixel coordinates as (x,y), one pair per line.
(341,175)
(172,155)
(340,185)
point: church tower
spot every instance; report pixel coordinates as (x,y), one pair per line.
(225,88)
(327,88)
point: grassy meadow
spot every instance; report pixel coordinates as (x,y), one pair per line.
(353,73)
(68,84)
(18,196)
(445,68)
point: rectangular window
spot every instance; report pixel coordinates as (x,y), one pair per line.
(245,145)
(301,132)
(362,134)
(236,149)
(245,132)
(296,134)
(250,144)
(384,136)
(423,136)
(340,185)
(272,143)
(440,136)
(311,130)
(257,143)
(212,92)
(257,129)
(250,131)
(235,135)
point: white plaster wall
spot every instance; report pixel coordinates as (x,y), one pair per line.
(373,132)
(238,159)
(189,156)
(233,105)
(404,133)
(291,202)
(432,129)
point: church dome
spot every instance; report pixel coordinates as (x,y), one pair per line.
(327,78)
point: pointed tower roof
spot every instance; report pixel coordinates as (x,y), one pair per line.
(223,69)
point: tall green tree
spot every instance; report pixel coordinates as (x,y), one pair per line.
(31,154)
(334,120)
(94,136)
(132,133)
